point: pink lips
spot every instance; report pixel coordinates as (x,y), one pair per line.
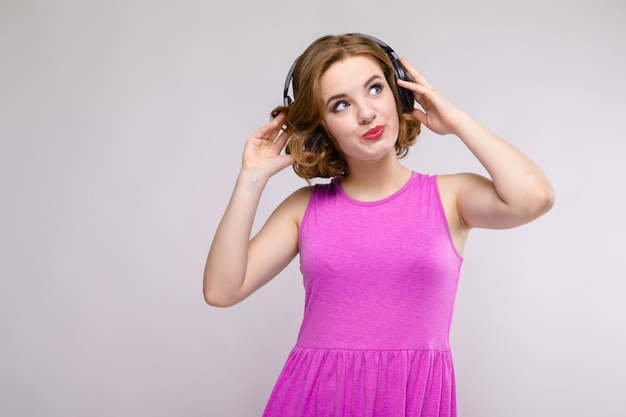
(374,133)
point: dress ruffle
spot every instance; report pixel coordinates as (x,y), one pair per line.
(364,383)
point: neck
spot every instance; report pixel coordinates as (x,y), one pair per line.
(376,180)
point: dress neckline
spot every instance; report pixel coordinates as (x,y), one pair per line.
(337,183)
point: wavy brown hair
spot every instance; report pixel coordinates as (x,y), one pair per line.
(315,151)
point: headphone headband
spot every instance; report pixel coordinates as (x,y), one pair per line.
(400,73)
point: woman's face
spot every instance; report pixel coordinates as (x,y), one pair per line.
(359,109)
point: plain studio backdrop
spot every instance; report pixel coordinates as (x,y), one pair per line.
(122,125)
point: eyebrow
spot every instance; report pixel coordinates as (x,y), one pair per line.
(343,95)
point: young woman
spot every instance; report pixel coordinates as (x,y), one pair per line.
(380,246)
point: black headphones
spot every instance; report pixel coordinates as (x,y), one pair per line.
(406,96)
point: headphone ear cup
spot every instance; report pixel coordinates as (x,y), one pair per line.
(407,99)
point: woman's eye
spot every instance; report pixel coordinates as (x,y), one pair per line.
(342,105)
(376,89)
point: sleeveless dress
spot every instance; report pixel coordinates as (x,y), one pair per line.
(380,282)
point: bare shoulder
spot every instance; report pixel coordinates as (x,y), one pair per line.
(294,206)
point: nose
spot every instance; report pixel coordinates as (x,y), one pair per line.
(366,114)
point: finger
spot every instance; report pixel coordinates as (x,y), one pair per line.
(280,116)
(421,116)
(417,76)
(270,130)
(420,89)
(286,160)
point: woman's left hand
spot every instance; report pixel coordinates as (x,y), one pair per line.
(437,113)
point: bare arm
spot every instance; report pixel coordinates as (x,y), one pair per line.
(518,190)
(237,266)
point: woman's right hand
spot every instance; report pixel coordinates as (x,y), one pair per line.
(237,266)
(262,152)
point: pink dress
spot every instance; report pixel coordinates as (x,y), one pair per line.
(380,280)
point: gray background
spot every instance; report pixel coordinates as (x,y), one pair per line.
(122,125)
